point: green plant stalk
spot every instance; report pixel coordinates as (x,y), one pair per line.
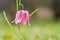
(17,7)
(34,12)
(10,24)
(17,4)
(19,28)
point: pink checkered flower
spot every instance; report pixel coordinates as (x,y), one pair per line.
(22,16)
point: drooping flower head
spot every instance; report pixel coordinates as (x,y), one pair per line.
(22,16)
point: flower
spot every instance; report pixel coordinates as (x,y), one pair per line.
(22,16)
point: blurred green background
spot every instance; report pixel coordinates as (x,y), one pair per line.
(43,25)
(39,30)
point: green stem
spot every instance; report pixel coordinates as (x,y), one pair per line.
(18,28)
(34,12)
(17,7)
(17,4)
(10,24)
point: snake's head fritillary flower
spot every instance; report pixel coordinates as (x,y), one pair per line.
(22,16)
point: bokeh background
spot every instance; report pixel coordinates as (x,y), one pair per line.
(45,23)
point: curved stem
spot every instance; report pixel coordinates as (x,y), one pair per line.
(34,12)
(10,24)
(21,5)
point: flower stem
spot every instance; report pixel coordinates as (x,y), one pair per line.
(19,32)
(17,7)
(18,28)
(34,12)
(17,4)
(10,24)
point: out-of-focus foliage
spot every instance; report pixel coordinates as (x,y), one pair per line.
(40,29)
(8,36)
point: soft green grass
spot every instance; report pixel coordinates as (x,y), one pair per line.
(39,30)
